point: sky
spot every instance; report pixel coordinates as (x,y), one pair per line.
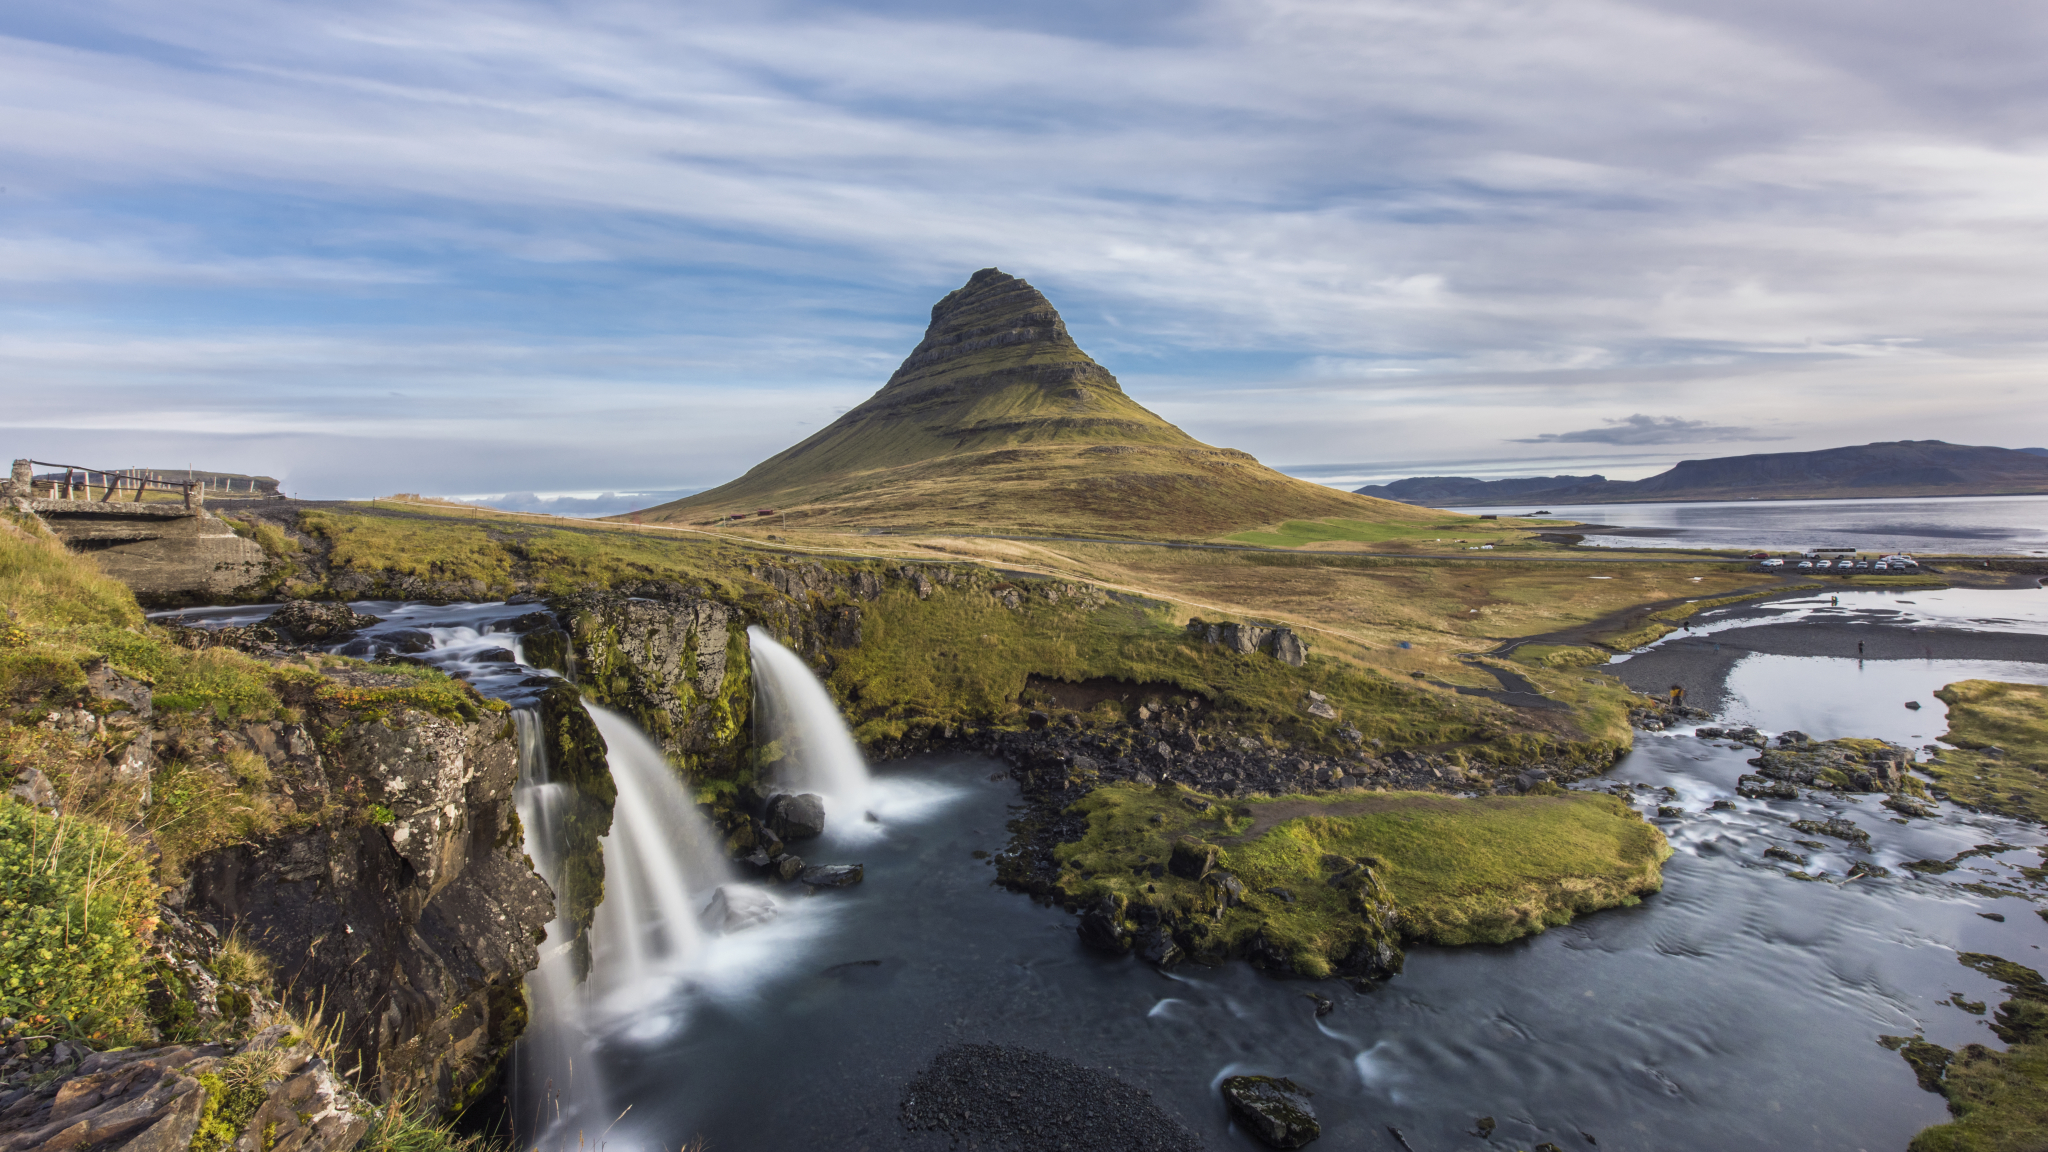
(584,255)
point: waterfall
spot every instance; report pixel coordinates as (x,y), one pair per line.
(663,862)
(543,1079)
(803,725)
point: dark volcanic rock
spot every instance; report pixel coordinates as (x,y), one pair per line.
(1275,1109)
(1758,788)
(1834,826)
(415,932)
(308,622)
(797,817)
(1102,927)
(832,875)
(990,1097)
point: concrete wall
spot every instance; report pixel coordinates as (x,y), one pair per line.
(169,556)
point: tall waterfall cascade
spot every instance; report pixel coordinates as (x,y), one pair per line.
(663,863)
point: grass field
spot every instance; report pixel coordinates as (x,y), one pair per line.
(1448,529)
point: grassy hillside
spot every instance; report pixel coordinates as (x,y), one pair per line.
(998,421)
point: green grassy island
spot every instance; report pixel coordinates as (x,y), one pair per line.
(1449,869)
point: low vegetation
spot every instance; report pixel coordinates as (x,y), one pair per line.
(1451,531)
(76,899)
(1460,870)
(1999,1099)
(1999,762)
(965,655)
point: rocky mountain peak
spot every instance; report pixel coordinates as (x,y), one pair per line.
(997,321)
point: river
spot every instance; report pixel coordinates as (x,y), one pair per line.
(1740,1007)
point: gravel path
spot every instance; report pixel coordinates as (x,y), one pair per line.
(986,1096)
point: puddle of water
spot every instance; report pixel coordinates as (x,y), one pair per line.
(1831,698)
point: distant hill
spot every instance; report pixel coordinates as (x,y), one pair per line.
(1438,491)
(1891,468)
(998,420)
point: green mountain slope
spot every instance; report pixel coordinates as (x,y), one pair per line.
(998,420)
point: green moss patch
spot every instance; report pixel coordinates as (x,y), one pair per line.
(1461,870)
(2002,733)
(1999,1099)
(1560,655)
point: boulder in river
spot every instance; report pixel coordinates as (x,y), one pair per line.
(311,622)
(1834,826)
(833,875)
(1760,788)
(1274,1109)
(735,907)
(797,817)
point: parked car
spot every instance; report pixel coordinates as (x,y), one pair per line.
(1820,564)
(1806,563)
(1863,563)
(1880,566)
(1772,564)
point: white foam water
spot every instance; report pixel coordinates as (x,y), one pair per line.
(797,717)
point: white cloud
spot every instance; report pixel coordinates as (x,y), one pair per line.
(1542,209)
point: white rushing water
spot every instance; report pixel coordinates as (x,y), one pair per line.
(675,929)
(663,864)
(544,1062)
(798,718)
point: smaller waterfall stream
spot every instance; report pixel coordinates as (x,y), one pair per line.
(799,719)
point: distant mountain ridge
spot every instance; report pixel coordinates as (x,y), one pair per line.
(998,420)
(1894,468)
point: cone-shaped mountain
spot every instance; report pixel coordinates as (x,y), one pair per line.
(998,419)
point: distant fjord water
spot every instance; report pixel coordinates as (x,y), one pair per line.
(1967,525)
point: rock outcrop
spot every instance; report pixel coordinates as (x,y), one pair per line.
(672,659)
(415,930)
(273,1093)
(1275,640)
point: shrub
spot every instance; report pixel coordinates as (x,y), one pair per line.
(75,900)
